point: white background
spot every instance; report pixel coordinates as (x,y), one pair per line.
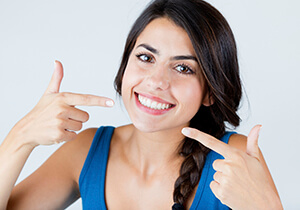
(88,37)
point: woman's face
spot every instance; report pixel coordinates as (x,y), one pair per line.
(161,87)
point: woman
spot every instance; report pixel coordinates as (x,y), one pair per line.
(179,70)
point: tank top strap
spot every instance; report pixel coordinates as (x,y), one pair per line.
(226,136)
(204,198)
(92,176)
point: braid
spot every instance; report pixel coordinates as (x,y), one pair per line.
(190,170)
(195,155)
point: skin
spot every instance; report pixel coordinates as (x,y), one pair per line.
(241,176)
(145,152)
(151,163)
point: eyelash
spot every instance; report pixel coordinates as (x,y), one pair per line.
(139,55)
(189,69)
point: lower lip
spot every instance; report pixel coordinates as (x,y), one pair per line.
(149,110)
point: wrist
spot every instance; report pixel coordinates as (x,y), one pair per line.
(17,139)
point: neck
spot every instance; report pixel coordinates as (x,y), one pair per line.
(152,152)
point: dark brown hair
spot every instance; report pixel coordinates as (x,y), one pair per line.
(216,52)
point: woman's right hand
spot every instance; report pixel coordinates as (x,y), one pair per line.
(55,118)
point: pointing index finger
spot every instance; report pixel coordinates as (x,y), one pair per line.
(208,141)
(75,99)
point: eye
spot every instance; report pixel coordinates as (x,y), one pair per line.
(184,69)
(145,58)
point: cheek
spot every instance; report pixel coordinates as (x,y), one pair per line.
(130,78)
(191,94)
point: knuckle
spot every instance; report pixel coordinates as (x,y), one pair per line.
(222,194)
(225,182)
(216,176)
(60,111)
(85,116)
(71,136)
(60,97)
(223,200)
(86,99)
(235,155)
(79,127)
(212,186)
(239,157)
(227,167)
(219,192)
(215,187)
(64,94)
(59,123)
(59,135)
(80,115)
(215,164)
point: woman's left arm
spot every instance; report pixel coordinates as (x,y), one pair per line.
(242,179)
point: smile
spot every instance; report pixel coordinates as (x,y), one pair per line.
(153,105)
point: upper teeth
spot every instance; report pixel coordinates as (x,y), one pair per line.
(152,104)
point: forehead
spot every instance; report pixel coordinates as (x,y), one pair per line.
(164,35)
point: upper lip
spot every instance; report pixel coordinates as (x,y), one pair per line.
(154,98)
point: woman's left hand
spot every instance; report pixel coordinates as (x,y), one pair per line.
(240,181)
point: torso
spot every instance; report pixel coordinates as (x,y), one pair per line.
(132,189)
(125,187)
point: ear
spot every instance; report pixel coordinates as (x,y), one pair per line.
(207,99)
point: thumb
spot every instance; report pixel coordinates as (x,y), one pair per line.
(56,79)
(252,142)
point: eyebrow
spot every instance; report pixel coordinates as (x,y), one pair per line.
(184,57)
(178,57)
(148,47)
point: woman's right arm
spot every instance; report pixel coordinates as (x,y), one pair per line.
(54,119)
(13,156)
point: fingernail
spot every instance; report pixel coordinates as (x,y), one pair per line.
(185,131)
(109,103)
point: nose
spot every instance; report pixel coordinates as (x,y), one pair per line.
(158,78)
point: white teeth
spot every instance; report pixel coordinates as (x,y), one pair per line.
(143,101)
(148,103)
(152,104)
(158,106)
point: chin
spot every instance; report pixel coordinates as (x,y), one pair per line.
(146,127)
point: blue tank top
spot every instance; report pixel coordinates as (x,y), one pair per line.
(92,176)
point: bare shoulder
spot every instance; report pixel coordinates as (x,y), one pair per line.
(238,141)
(82,142)
(76,151)
(72,154)
(56,181)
